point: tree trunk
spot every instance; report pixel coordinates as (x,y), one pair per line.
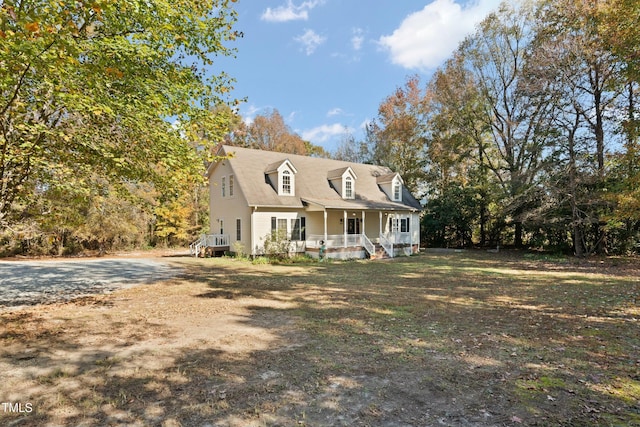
(578,248)
(517,238)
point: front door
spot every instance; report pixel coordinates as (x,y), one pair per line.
(353,226)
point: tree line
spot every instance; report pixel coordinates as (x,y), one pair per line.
(527,135)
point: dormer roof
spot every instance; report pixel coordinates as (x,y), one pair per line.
(384,179)
(341,173)
(279,165)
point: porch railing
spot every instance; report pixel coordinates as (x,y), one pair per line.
(398,238)
(334,240)
(367,244)
(208,241)
(386,244)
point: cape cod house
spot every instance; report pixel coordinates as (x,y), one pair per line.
(358,210)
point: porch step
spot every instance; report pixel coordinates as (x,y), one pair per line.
(380,253)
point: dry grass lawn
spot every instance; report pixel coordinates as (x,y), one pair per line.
(436,339)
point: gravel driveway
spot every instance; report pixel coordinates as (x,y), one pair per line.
(37,282)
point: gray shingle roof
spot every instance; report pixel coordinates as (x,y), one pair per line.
(311,183)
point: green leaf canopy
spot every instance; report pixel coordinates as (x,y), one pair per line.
(115,89)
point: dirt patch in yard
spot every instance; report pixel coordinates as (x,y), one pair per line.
(437,339)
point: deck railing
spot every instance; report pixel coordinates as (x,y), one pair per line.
(208,241)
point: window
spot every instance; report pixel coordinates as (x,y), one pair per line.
(399,225)
(222,226)
(348,188)
(238,227)
(297,229)
(278,224)
(224,186)
(230,185)
(394,225)
(397,194)
(286,182)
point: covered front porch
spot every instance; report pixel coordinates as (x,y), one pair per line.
(362,233)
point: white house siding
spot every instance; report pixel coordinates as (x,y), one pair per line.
(228,209)
(262,226)
(415,231)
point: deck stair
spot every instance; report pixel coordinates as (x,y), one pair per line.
(214,243)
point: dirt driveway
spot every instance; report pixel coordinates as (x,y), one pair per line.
(38,282)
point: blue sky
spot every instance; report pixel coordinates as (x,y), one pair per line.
(326,65)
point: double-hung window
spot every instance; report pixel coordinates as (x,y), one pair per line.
(286,182)
(397,191)
(348,188)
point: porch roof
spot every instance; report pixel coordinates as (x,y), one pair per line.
(357,204)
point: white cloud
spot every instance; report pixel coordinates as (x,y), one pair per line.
(335,112)
(324,133)
(310,41)
(289,11)
(428,37)
(249,115)
(357,39)
(290,117)
(365,124)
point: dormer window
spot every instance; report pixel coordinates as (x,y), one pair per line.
(391,184)
(286,182)
(282,177)
(397,191)
(343,181)
(348,188)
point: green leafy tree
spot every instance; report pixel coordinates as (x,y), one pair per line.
(459,145)
(90,89)
(617,22)
(398,134)
(449,218)
(514,111)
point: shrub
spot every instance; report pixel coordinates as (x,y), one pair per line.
(238,250)
(276,244)
(260,261)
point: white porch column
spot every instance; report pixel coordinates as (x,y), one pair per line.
(344,224)
(252,240)
(362,228)
(412,232)
(380,218)
(325,226)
